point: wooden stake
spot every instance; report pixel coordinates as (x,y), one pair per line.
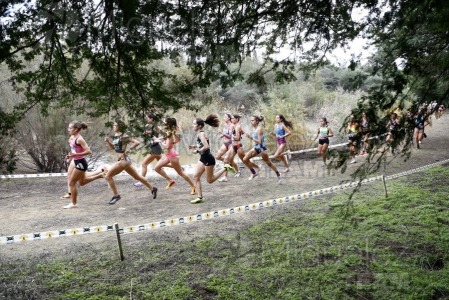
(117,231)
(385,186)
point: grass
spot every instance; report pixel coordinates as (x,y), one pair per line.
(368,247)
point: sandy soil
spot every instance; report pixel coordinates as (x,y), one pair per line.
(33,205)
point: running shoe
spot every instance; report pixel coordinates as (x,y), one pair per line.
(193,191)
(230,168)
(223,179)
(197,200)
(286,170)
(66,196)
(154,192)
(170,184)
(114,199)
(289,154)
(353,161)
(237,174)
(252,176)
(138,184)
(70,205)
(280,180)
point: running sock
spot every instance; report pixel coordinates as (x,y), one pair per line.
(252,171)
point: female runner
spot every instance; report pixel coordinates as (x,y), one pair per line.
(226,136)
(323,135)
(171,157)
(258,137)
(207,160)
(78,166)
(154,148)
(281,131)
(118,143)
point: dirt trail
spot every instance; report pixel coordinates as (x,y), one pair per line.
(33,205)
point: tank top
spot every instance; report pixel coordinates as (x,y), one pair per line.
(199,143)
(255,136)
(227,131)
(352,130)
(364,124)
(150,132)
(278,131)
(324,132)
(419,121)
(393,125)
(75,148)
(151,129)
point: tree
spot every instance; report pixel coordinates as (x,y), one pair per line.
(118,40)
(121,41)
(413,40)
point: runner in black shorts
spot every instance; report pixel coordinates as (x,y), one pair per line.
(207,160)
(323,134)
(77,173)
(154,149)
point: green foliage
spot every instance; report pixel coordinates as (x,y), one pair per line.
(120,42)
(107,58)
(8,158)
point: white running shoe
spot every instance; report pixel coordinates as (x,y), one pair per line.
(289,154)
(353,161)
(70,205)
(252,176)
(223,179)
(138,184)
(286,170)
(65,196)
(197,200)
(237,174)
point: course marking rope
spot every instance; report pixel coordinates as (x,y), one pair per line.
(207,215)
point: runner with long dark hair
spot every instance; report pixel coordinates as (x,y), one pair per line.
(282,129)
(206,162)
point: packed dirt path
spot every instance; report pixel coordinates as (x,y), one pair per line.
(33,204)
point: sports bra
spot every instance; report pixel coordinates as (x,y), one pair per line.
(119,143)
(76,148)
(234,134)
